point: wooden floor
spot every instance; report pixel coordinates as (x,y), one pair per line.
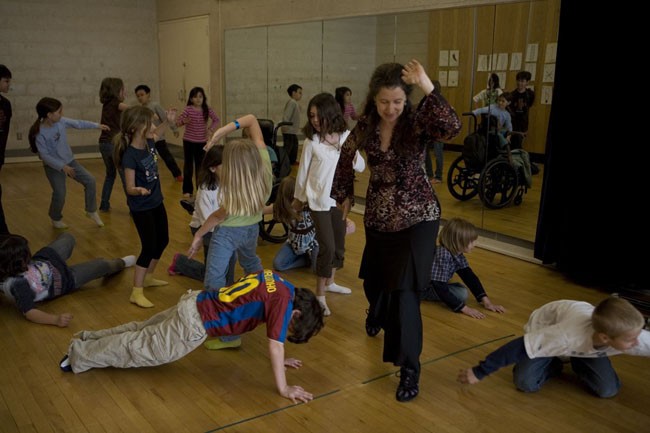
(233,390)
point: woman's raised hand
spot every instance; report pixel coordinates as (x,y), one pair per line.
(414,73)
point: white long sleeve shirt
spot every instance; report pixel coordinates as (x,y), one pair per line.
(316,172)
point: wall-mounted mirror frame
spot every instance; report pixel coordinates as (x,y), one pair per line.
(261,62)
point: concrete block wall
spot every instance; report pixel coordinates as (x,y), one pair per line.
(64,49)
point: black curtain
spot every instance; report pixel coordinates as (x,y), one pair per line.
(590,223)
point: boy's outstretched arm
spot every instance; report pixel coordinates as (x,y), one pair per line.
(294,393)
(510,353)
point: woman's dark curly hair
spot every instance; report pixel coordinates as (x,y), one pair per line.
(14,255)
(310,320)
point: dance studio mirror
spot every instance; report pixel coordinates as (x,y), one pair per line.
(459,47)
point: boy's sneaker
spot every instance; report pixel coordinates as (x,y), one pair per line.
(171,270)
(59,224)
(188,205)
(64,364)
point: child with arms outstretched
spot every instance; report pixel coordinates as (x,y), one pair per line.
(48,138)
(28,278)
(457,237)
(200,122)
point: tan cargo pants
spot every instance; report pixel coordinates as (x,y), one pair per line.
(165,337)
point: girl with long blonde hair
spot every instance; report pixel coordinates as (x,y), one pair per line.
(245,186)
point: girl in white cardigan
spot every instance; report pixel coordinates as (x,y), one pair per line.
(326,132)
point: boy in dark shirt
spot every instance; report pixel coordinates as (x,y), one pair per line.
(521,99)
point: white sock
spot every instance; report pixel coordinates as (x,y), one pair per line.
(323,303)
(128,261)
(335,288)
(95,217)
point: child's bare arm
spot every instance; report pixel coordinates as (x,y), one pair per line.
(248,121)
(215,218)
(37,316)
(129,180)
(294,393)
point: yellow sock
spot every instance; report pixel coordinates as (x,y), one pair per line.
(138,298)
(150,281)
(218,343)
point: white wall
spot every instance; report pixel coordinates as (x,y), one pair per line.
(64,48)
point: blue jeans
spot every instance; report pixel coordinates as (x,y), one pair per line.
(106,149)
(287,259)
(597,373)
(456,289)
(57,180)
(225,242)
(196,270)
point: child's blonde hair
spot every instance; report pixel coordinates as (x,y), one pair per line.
(131,121)
(245,179)
(457,234)
(616,316)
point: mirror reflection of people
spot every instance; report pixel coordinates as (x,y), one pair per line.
(490,94)
(291,113)
(402,213)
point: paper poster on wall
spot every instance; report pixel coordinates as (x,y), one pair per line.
(442,77)
(452,78)
(492,60)
(547,95)
(531,52)
(443,60)
(454,57)
(502,79)
(502,62)
(515,61)
(532,68)
(481,65)
(551,52)
(549,73)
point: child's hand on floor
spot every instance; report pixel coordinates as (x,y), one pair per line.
(64,320)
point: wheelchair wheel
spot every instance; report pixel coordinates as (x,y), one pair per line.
(273,231)
(498,184)
(462,182)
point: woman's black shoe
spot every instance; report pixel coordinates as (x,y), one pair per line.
(371,328)
(408,387)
